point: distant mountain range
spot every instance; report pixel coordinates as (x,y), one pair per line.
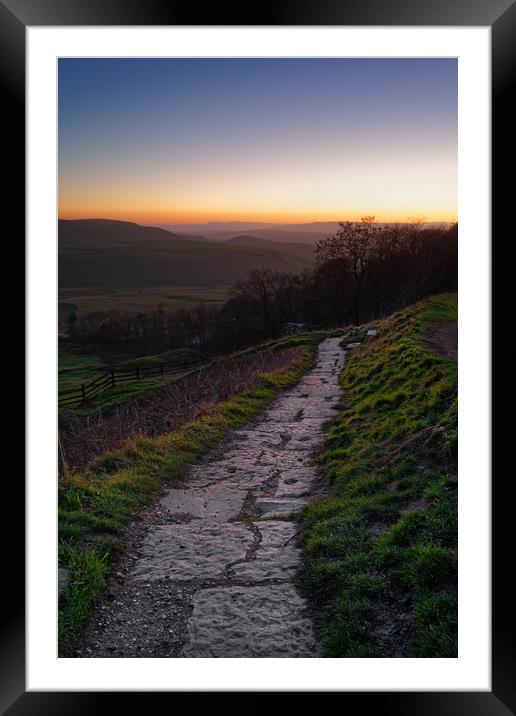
(108,253)
(303,250)
(113,254)
(211,227)
(285,233)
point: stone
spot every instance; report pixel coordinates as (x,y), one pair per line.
(277,556)
(278,507)
(197,550)
(295,482)
(64,577)
(265,622)
(217,502)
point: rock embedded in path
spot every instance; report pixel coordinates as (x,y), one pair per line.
(258,621)
(217,502)
(278,507)
(198,550)
(64,577)
(295,483)
(277,557)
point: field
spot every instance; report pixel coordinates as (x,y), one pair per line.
(91,299)
(77,369)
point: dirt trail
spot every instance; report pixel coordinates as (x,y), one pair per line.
(213,568)
(444,341)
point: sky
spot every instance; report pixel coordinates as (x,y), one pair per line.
(282,140)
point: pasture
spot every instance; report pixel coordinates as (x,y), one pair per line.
(101,298)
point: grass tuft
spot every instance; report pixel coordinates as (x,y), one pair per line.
(89,569)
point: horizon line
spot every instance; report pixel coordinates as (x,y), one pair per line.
(407,219)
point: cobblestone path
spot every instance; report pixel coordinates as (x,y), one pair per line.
(213,573)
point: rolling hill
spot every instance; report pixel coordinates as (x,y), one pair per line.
(283,233)
(111,254)
(305,251)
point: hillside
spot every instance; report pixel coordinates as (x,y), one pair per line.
(103,253)
(379,535)
(284,236)
(284,233)
(258,228)
(304,251)
(382,547)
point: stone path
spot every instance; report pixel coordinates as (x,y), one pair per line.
(214,573)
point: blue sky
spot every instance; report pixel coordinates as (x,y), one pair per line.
(257,139)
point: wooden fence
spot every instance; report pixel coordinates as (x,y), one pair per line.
(117,375)
(123,374)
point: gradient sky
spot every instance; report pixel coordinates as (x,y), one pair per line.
(192,140)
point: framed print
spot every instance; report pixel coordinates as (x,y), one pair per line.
(258,263)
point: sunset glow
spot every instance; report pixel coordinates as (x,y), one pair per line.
(280,140)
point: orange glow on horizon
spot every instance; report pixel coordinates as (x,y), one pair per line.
(286,217)
(186,141)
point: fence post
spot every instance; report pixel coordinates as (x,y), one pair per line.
(83,393)
(112,377)
(161,368)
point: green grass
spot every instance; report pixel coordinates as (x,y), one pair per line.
(75,369)
(382,548)
(89,569)
(176,355)
(100,502)
(118,394)
(114,396)
(313,338)
(91,299)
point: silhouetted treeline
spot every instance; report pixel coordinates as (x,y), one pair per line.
(364,271)
(152,332)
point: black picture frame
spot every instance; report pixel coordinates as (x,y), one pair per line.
(500,16)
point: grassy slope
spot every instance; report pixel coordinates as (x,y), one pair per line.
(116,395)
(121,483)
(75,369)
(381,550)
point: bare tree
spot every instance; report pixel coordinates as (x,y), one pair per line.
(353,247)
(270,296)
